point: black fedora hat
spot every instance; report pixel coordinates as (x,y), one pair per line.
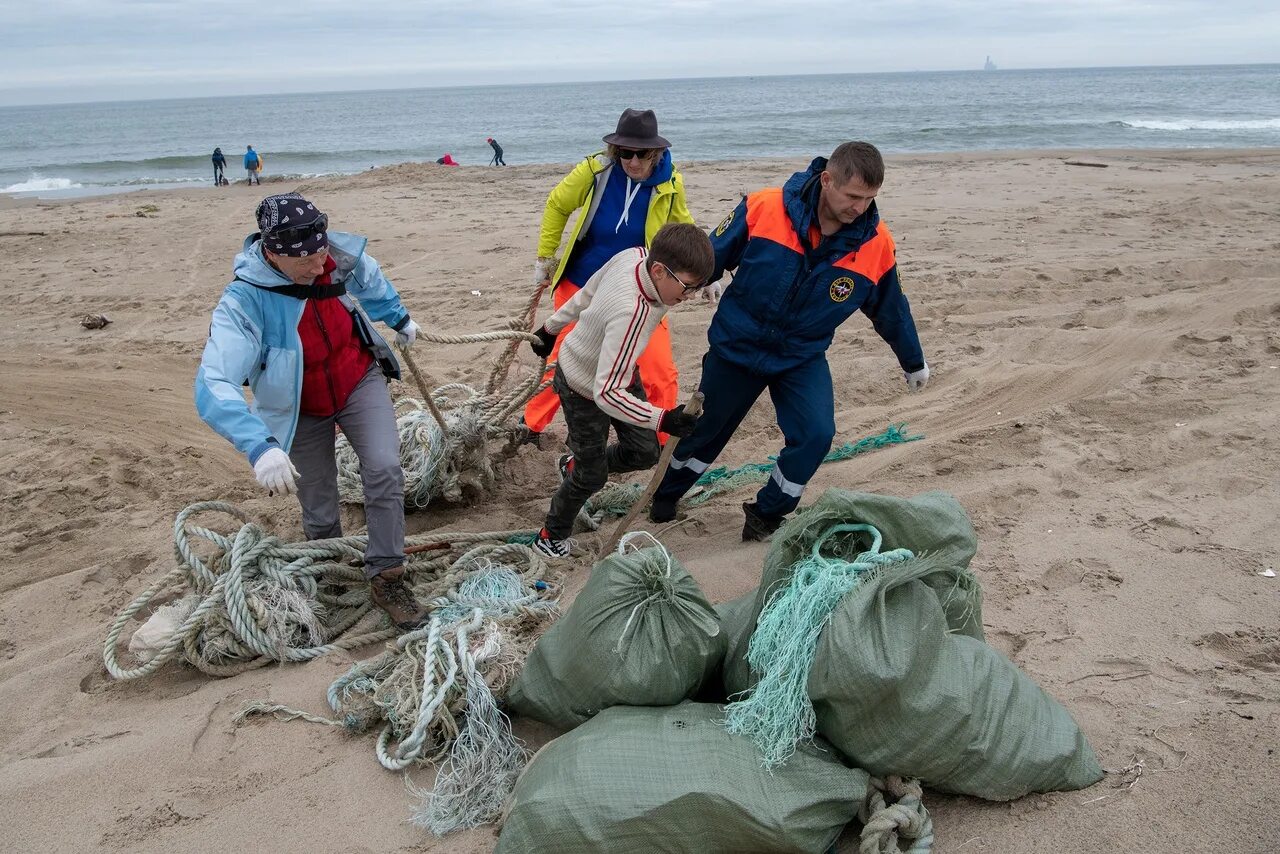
(637,129)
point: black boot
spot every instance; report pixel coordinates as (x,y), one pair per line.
(662,511)
(758,527)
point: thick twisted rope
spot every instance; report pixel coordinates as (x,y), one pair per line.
(439,668)
(524,323)
(486,758)
(436,689)
(257,600)
(883,824)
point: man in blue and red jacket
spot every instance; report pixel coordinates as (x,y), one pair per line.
(807,256)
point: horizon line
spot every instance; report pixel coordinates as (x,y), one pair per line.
(980,71)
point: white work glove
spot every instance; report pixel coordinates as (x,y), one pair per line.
(275,472)
(711,293)
(917,380)
(542,270)
(407,334)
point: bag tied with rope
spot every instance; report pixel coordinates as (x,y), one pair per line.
(671,779)
(640,633)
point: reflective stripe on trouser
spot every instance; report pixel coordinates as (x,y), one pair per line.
(656,363)
(805,408)
(369,422)
(594,459)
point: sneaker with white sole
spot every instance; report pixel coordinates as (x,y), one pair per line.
(551,547)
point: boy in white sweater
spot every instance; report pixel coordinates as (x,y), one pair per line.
(596,375)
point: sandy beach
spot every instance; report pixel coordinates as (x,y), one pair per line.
(1105,347)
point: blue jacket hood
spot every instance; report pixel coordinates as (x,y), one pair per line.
(252,266)
(662,172)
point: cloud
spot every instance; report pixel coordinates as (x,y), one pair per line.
(79,50)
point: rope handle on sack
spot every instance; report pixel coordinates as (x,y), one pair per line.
(868,559)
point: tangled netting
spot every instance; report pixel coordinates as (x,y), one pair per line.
(616,498)
(450,437)
(777,713)
(722,479)
(435,691)
(250,599)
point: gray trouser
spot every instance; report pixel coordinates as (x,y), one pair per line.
(594,459)
(369,421)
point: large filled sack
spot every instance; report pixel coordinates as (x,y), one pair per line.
(640,633)
(672,780)
(901,680)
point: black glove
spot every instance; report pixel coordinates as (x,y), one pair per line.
(546,341)
(677,422)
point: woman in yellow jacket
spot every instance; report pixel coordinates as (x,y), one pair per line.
(626,193)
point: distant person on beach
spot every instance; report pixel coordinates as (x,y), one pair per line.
(447,160)
(807,255)
(596,379)
(219,167)
(497,153)
(252,165)
(626,193)
(288,328)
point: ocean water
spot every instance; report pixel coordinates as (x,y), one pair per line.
(85,149)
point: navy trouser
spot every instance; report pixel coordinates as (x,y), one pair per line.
(805,405)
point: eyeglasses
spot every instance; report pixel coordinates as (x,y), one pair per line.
(687,287)
(629,153)
(299,233)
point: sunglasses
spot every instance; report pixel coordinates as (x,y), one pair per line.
(299,233)
(687,287)
(630,153)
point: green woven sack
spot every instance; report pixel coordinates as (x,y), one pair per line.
(933,523)
(672,780)
(897,693)
(639,634)
(902,681)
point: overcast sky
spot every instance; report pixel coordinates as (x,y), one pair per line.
(88,50)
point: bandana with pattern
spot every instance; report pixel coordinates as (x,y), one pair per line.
(289,211)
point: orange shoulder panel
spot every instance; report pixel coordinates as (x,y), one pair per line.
(874,258)
(767,218)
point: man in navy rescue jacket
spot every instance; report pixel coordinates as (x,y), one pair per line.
(807,256)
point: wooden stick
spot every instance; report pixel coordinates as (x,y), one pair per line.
(693,407)
(426,392)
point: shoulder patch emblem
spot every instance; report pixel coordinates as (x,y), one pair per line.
(841,288)
(724,225)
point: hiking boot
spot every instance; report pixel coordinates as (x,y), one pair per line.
(758,527)
(391,593)
(551,547)
(565,466)
(662,511)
